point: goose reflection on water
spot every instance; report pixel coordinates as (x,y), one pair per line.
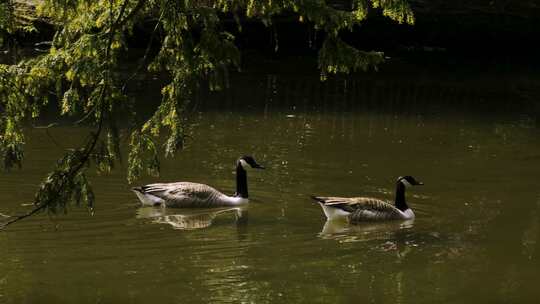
(191,219)
(338,229)
(387,237)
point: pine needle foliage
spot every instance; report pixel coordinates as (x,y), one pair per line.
(80,72)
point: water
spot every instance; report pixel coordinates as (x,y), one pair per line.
(475,238)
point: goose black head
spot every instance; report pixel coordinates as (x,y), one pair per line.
(408,181)
(248,161)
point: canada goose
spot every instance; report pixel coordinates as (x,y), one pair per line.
(194,195)
(359,209)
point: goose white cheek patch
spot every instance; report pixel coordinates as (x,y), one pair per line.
(244,164)
(405,182)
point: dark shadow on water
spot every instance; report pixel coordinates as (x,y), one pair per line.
(397,89)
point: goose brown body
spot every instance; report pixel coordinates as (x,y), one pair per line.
(185,195)
(195,195)
(358,209)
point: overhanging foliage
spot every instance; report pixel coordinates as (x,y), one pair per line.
(80,72)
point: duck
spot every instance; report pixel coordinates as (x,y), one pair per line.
(363,209)
(195,195)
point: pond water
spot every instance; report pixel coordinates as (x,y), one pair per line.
(476,237)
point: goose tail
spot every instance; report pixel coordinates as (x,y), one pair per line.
(137,189)
(317,199)
(333,213)
(145,198)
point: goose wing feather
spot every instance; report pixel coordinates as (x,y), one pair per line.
(185,194)
(363,208)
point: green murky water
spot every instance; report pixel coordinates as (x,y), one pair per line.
(476,237)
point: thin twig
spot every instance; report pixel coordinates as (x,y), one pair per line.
(46,128)
(85,117)
(134,11)
(54,124)
(53,140)
(146,52)
(20,217)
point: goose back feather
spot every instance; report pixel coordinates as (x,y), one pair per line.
(359,209)
(195,195)
(185,195)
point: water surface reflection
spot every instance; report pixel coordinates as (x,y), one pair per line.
(344,231)
(188,219)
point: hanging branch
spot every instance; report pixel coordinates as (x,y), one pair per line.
(66,177)
(59,180)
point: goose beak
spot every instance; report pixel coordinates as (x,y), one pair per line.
(257,166)
(420,184)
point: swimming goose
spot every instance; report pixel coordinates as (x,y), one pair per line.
(194,195)
(359,209)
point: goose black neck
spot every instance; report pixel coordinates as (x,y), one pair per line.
(401,204)
(241,182)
